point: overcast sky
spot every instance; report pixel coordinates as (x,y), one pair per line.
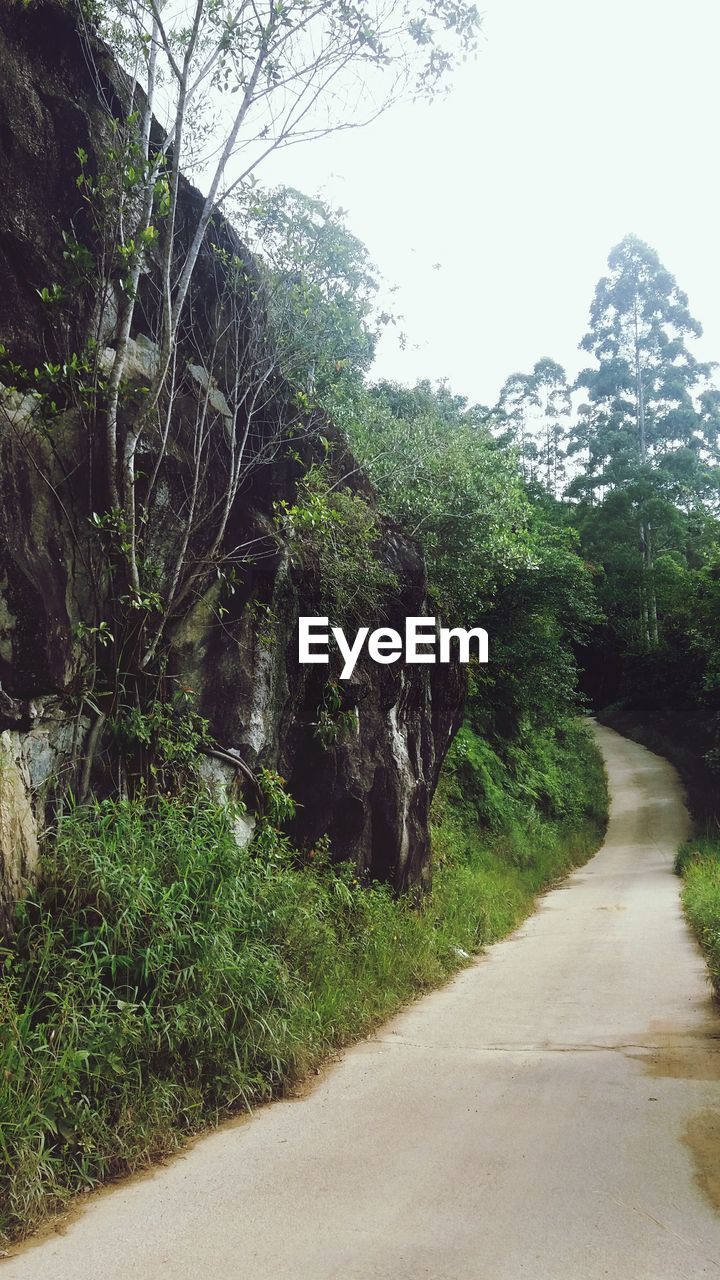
(580,121)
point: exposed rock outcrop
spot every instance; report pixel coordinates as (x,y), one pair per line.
(34,768)
(370,789)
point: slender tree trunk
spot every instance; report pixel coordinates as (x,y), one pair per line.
(639,392)
(652,599)
(644,631)
(649,605)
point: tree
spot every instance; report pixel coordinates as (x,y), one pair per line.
(517,400)
(320,286)
(553,393)
(534,406)
(497,555)
(643,409)
(443,476)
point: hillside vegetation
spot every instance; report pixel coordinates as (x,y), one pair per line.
(163,978)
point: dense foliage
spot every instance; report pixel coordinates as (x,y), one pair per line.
(498,554)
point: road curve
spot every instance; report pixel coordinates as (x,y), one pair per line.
(553,1113)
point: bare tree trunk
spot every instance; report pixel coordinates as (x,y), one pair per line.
(652,599)
(644,632)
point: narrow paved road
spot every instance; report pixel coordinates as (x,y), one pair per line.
(554,1113)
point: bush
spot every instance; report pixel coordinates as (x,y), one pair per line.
(334,536)
(699,864)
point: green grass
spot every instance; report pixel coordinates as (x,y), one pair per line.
(162,979)
(504,830)
(699,864)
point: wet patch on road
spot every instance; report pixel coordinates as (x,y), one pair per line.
(681,1063)
(702,1138)
(667,1052)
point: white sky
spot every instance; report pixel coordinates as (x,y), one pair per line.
(580,121)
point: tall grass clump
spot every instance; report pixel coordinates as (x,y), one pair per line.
(161,977)
(503,829)
(698,862)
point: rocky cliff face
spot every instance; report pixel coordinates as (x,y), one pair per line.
(370,789)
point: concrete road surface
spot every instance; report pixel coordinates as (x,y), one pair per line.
(553,1113)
